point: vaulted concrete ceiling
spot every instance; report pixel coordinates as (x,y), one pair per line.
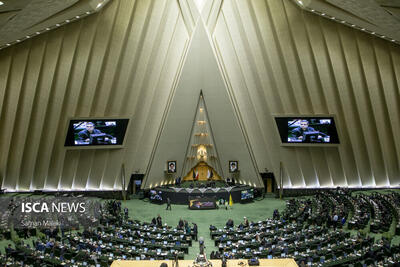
(376,17)
(22,19)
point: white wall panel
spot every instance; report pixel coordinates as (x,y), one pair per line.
(126,60)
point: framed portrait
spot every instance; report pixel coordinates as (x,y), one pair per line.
(171,166)
(233,166)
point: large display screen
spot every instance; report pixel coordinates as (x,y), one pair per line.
(96,132)
(307,130)
(247,194)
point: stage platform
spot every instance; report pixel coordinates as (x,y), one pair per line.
(215,263)
(181,195)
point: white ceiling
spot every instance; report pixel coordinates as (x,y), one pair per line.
(21,19)
(377,17)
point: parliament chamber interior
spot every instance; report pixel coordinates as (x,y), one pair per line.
(199,133)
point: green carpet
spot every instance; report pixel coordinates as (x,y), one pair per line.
(256,211)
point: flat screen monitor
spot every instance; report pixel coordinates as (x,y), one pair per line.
(301,130)
(96,133)
(247,194)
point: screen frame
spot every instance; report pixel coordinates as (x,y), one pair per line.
(97,146)
(307,116)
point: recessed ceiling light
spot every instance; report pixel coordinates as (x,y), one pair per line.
(1,3)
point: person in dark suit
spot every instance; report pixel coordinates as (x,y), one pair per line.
(9,250)
(304,127)
(181,224)
(168,204)
(159,221)
(85,135)
(195,231)
(229,223)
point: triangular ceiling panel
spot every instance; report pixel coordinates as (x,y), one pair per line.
(201,73)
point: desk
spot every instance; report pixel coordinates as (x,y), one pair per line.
(216,263)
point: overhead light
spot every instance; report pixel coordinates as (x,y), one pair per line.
(1,3)
(99,5)
(300,2)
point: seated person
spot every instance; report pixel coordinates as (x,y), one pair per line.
(87,135)
(9,250)
(299,131)
(245,222)
(229,223)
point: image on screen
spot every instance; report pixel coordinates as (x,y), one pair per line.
(247,194)
(96,132)
(307,130)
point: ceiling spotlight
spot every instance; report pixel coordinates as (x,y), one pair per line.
(99,5)
(77,17)
(300,2)
(322,14)
(47,29)
(88,12)
(67,21)
(312,10)
(58,25)
(1,3)
(37,33)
